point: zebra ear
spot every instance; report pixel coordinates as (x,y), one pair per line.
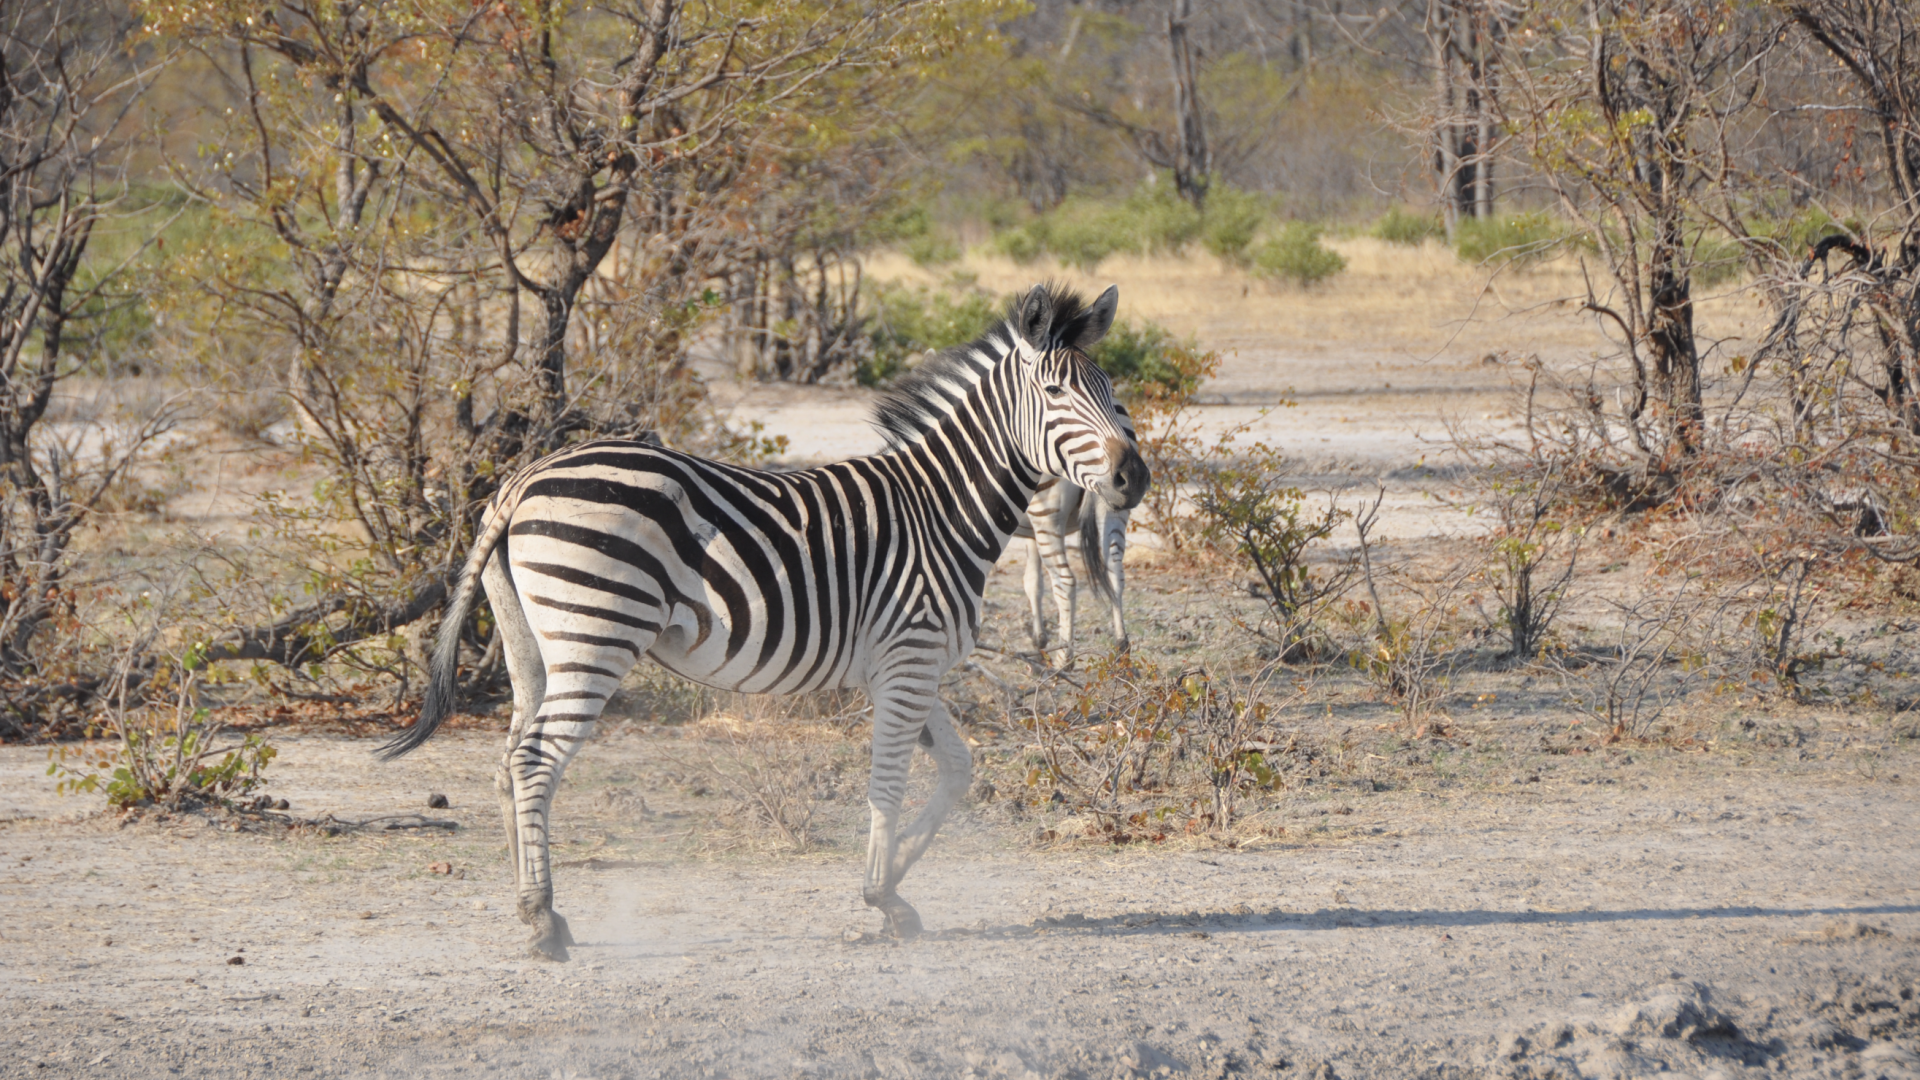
(1093,323)
(1036,316)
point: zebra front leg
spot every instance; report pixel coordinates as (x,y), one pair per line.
(955,760)
(1050,547)
(1037,616)
(900,714)
(1114,541)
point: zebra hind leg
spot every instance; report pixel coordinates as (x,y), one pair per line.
(576,691)
(529,679)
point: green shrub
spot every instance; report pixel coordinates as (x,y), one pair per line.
(1155,218)
(161,751)
(1509,238)
(903,321)
(1232,220)
(913,231)
(933,249)
(1295,254)
(1401,226)
(1084,231)
(1022,243)
(1146,357)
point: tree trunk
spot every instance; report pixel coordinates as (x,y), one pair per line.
(1446,150)
(1192,161)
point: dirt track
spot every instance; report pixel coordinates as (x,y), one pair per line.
(1414,936)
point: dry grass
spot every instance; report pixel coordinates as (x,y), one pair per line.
(1421,301)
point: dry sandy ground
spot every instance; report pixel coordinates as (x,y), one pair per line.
(1684,915)
(1628,914)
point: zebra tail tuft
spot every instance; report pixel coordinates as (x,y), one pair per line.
(441,691)
(1093,550)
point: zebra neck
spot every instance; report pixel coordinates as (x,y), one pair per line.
(976,484)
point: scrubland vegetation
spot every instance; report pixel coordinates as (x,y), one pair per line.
(408,250)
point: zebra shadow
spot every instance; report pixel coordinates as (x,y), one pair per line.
(1277,920)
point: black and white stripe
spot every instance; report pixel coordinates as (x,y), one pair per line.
(1057,510)
(863,573)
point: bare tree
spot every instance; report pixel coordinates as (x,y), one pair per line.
(67,86)
(1624,111)
(1190,159)
(1464,38)
(505,225)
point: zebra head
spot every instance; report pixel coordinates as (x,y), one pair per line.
(1069,426)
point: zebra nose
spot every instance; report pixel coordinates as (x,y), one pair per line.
(1130,478)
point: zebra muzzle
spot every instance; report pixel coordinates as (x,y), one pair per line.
(1128,484)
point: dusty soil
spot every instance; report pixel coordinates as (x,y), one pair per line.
(1738,896)
(1731,905)
(1698,916)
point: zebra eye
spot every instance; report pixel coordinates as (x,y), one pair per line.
(1055,390)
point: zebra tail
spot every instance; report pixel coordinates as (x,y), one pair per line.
(1093,549)
(446,648)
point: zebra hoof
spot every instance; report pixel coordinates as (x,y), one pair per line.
(552,938)
(902,921)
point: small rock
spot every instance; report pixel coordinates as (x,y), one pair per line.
(1676,1010)
(366,914)
(236,961)
(436,801)
(1513,1047)
(282,804)
(440,868)
(479,905)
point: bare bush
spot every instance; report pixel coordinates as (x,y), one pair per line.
(1136,749)
(1530,552)
(67,88)
(771,777)
(1248,511)
(1650,663)
(162,744)
(1409,656)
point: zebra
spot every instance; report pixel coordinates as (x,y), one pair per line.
(1057,508)
(868,572)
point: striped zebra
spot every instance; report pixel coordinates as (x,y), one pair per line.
(864,573)
(1058,508)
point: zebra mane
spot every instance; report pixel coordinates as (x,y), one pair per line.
(918,401)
